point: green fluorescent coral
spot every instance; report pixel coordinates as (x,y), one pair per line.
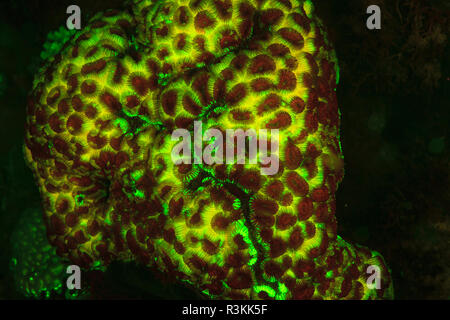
(100,122)
(37,270)
(55,41)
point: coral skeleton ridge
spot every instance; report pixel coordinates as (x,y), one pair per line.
(98,140)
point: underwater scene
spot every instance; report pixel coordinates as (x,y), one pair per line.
(224,150)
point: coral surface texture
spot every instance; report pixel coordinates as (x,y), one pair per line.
(99,140)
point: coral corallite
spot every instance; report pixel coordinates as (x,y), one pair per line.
(98,140)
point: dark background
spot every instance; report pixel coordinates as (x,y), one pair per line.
(394,99)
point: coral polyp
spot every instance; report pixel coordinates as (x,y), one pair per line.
(99,139)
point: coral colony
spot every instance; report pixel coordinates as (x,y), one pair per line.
(99,141)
